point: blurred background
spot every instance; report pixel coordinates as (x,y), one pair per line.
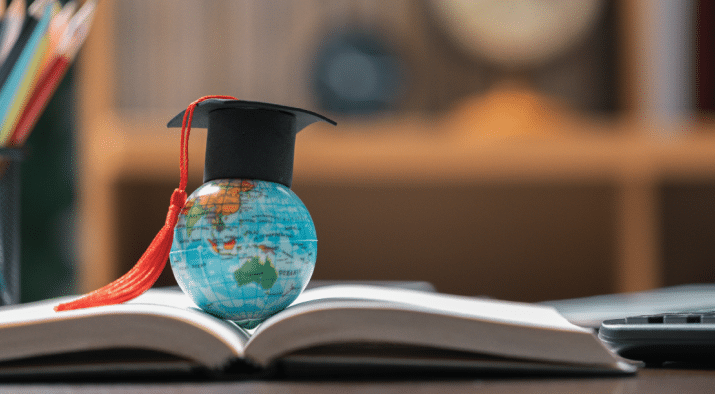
(524,150)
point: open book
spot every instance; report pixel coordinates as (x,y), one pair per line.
(329,330)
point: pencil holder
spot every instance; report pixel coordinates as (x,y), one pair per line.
(10,225)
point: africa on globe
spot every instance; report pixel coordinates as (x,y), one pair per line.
(243,250)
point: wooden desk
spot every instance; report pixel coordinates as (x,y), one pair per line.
(652,381)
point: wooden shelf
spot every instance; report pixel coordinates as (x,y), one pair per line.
(411,149)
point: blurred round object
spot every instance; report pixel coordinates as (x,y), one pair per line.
(357,73)
(509,111)
(516,33)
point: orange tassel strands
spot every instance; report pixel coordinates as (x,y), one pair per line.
(150,265)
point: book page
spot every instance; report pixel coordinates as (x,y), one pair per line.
(349,314)
(162,320)
(473,307)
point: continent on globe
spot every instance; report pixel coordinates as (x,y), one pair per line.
(216,205)
(224,249)
(262,273)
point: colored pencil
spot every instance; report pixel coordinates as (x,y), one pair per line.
(13,21)
(16,87)
(57,28)
(72,39)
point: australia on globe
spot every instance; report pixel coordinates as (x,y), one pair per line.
(243,250)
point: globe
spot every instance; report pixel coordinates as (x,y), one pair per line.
(243,250)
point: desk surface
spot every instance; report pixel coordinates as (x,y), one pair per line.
(652,381)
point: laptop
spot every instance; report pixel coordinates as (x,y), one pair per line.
(664,337)
(670,324)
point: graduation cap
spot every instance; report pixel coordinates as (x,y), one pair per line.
(248,139)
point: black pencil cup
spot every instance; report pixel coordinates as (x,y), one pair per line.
(10,225)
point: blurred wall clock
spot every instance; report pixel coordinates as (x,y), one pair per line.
(357,73)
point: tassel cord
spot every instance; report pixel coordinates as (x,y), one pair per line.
(150,265)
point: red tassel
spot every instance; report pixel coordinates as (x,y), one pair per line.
(147,270)
(144,274)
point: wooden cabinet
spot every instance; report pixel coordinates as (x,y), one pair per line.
(574,210)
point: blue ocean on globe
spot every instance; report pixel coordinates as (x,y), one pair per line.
(243,250)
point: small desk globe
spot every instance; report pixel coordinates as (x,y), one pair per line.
(243,250)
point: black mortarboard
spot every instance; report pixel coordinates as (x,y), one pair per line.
(248,139)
